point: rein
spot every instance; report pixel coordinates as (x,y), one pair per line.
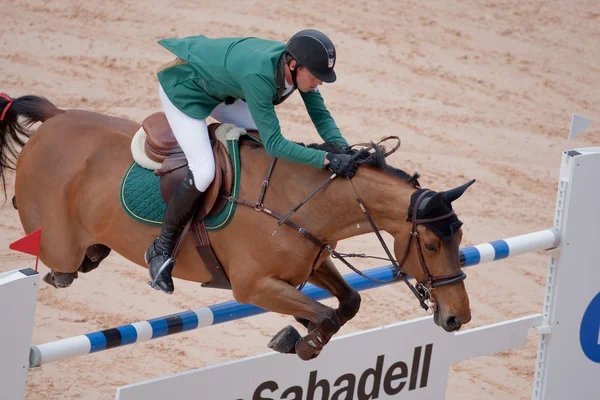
(422,290)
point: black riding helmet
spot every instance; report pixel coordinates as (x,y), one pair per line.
(314,51)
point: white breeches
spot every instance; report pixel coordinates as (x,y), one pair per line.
(237,113)
(192,135)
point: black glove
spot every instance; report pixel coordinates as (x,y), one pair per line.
(342,164)
(353,152)
(345,149)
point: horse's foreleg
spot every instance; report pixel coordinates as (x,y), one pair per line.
(329,278)
(280,297)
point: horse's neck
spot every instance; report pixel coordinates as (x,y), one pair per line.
(336,215)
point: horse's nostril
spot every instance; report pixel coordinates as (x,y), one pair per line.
(453,323)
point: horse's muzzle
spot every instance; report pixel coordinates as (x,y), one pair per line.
(450,323)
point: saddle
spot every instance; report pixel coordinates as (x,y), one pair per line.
(161,146)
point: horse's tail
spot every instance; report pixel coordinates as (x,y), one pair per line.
(13,132)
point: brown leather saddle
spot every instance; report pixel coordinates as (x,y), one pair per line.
(162,147)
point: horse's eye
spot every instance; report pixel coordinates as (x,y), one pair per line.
(431,247)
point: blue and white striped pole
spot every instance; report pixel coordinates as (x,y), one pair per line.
(231,310)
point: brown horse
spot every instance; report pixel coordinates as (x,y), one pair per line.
(68,176)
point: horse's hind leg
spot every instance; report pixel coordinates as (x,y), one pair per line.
(91,260)
(329,278)
(278,296)
(59,280)
(64,263)
(65,251)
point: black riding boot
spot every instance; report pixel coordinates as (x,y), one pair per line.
(180,209)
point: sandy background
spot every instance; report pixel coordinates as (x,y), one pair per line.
(475,89)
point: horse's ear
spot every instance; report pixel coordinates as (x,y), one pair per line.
(430,203)
(453,194)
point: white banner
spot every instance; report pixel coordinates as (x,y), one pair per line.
(410,359)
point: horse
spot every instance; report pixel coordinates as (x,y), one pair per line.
(67,182)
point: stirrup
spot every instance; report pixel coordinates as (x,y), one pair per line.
(152,283)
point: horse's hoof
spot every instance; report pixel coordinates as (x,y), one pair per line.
(93,256)
(285,341)
(59,280)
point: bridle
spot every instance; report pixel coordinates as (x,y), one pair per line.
(422,290)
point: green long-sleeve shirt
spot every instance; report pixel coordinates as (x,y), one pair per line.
(225,69)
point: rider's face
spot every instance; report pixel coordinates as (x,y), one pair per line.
(305,80)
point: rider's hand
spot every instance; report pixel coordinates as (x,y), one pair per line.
(345,149)
(342,164)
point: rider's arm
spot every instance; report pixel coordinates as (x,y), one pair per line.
(259,97)
(321,118)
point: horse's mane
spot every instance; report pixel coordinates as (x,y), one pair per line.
(376,159)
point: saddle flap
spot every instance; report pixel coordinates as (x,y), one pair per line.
(223,169)
(171,164)
(212,193)
(173,171)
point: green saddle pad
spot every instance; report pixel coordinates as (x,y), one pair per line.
(142,201)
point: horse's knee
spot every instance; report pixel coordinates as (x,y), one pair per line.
(349,308)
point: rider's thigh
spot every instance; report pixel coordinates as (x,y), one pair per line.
(237,113)
(192,136)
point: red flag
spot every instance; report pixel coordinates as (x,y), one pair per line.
(29,244)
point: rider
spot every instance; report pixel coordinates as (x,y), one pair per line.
(238,81)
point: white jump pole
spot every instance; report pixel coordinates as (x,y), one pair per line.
(224,312)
